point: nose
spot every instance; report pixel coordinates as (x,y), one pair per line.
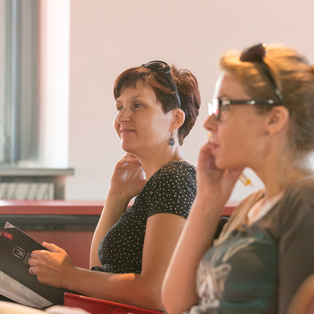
(123,115)
(210,123)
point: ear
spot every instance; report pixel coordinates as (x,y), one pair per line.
(278,118)
(178,118)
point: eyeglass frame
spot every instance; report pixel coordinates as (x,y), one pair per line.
(257,53)
(164,67)
(224,103)
(254,53)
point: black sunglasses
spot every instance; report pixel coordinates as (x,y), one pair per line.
(256,54)
(157,66)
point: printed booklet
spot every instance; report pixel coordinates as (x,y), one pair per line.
(16,283)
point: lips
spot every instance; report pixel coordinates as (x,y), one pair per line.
(213,146)
(126,131)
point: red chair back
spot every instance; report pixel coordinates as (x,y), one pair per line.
(97,306)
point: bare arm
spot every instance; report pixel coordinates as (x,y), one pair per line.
(179,288)
(112,211)
(303,301)
(214,188)
(162,232)
(126,182)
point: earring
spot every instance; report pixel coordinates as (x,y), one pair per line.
(171,140)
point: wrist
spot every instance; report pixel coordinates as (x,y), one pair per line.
(119,195)
(116,204)
(209,204)
(70,278)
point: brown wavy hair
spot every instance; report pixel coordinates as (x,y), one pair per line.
(187,86)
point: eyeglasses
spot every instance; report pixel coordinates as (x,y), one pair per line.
(256,54)
(157,66)
(253,54)
(217,105)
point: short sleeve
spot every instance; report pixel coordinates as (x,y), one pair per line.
(296,250)
(173,190)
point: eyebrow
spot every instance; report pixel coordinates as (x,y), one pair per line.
(223,96)
(132,98)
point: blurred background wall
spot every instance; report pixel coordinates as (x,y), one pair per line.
(98,39)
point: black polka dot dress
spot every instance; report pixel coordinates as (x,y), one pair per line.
(172,190)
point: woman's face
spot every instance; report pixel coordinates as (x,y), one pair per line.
(236,139)
(141,124)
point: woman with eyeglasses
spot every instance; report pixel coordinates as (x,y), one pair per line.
(156,108)
(262,117)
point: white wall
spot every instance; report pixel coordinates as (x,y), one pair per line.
(2,77)
(107,37)
(54,82)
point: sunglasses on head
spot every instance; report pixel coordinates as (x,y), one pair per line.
(256,54)
(253,54)
(164,67)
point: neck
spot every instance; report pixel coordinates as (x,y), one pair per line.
(154,161)
(278,173)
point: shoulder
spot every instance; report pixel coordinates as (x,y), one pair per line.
(177,166)
(299,195)
(176,169)
(297,202)
(292,217)
(172,189)
(301,190)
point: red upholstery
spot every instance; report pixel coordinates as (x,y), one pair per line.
(97,306)
(75,242)
(65,207)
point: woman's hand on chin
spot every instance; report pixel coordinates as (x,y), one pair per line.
(128,178)
(213,183)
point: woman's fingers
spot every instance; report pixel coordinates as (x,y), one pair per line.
(32,270)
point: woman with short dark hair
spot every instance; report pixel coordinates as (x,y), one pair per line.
(156,108)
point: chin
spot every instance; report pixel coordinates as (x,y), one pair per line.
(222,164)
(128,149)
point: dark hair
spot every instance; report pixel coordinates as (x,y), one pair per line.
(295,78)
(187,86)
